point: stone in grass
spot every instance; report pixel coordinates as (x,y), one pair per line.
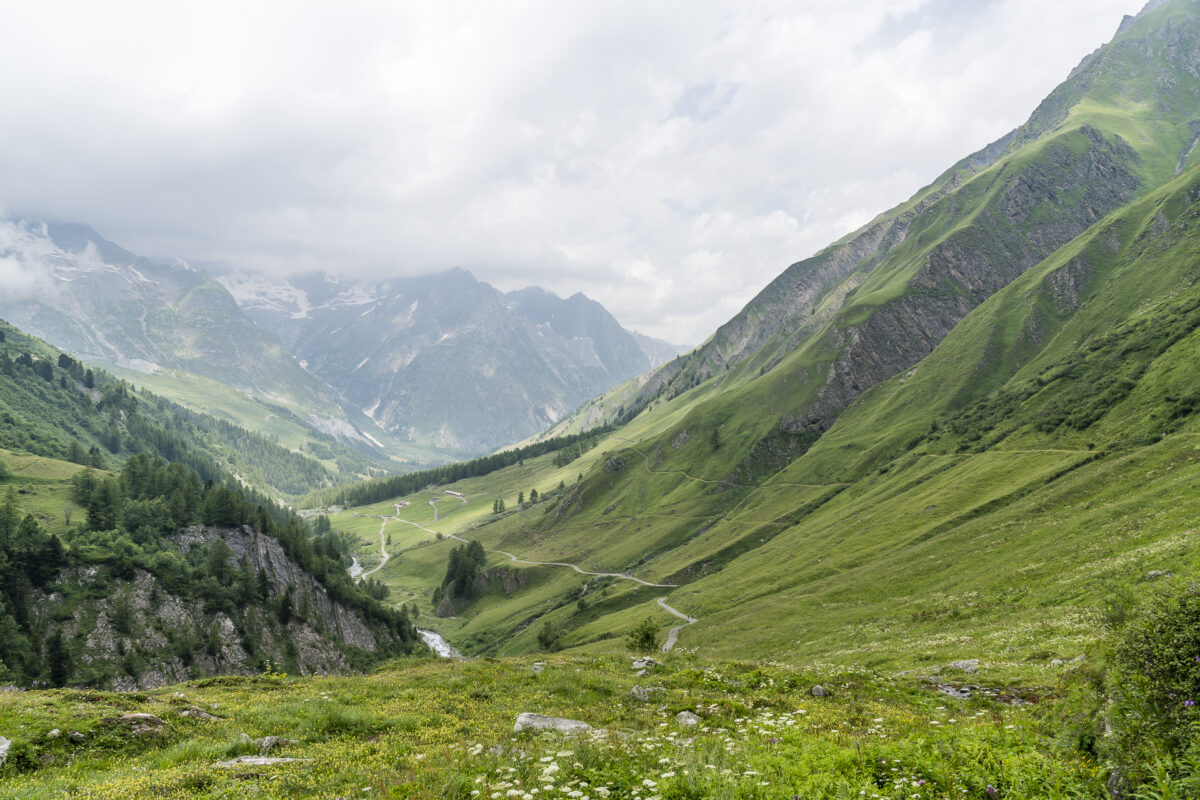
(266,743)
(4,743)
(638,693)
(687,719)
(196,713)
(256,761)
(141,719)
(644,663)
(537,667)
(966,665)
(538,722)
(820,691)
(143,724)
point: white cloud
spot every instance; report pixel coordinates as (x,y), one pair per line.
(667,158)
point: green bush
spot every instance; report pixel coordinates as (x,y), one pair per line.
(644,637)
(1154,680)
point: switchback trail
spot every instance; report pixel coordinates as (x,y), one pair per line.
(673,634)
(670,471)
(576,567)
(382,549)
(709,480)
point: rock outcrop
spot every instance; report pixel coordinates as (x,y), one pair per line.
(146,635)
(538,722)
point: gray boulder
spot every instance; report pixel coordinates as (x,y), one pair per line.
(644,663)
(537,667)
(687,719)
(538,722)
(820,691)
(4,743)
(255,761)
(266,743)
(966,665)
(196,713)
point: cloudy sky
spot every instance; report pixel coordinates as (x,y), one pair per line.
(666,158)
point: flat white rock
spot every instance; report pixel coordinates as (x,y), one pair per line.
(539,722)
(255,761)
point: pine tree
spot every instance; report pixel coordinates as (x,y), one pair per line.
(58,659)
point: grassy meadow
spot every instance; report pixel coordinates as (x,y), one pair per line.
(444,729)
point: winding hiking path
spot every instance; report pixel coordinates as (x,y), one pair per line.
(669,471)
(731,484)
(673,634)
(382,549)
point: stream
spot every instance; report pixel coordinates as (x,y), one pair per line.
(438,645)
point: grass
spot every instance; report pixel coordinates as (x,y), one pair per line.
(439,729)
(917,530)
(43,489)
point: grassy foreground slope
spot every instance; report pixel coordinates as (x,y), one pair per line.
(445,730)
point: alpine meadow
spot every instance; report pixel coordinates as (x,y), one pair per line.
(920,522)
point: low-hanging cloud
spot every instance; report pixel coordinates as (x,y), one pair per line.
(667,159)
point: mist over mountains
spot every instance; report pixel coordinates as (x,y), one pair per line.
(374,364)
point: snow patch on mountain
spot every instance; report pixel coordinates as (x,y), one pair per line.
(266,292)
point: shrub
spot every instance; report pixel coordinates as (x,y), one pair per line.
(1154,678)
(644,637)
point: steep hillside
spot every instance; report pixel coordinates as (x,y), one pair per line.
(977,504)
(423,356)
(176,329)
(54,406)
(873,304)
(166,568)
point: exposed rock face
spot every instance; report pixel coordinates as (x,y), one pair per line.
(266,553)
(816,303)
(422,356)
(4,745)
(149,636)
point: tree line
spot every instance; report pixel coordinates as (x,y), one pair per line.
(378,489)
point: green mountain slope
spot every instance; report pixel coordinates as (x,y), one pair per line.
(165,567)
(955,451)
(177,330)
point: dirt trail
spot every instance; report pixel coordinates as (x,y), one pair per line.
(673,634)
(576,567)
(670,471)
(382,549)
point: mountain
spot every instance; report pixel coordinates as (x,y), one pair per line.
(131,553)
(169,326)
(879,300)
(951,435)
(430,358)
